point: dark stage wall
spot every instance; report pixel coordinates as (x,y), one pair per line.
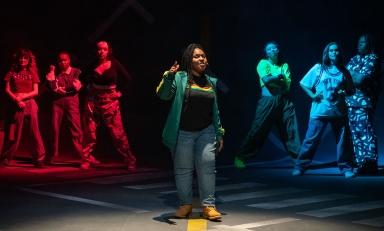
(148,36)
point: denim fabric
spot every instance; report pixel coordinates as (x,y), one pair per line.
(196,149)
(316,128)
(70,106)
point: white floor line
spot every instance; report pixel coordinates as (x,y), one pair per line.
(265,193)
(87,201)
(377,222)
(151,186)
(85,173)
(218,179)
(249,226)
(238,186)
(54,169)
(333,211)
(131,178)
(299,201)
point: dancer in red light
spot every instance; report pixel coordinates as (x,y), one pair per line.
(102,104)
(21,86)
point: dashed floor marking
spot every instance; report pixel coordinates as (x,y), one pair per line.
(87,201)
(299,201)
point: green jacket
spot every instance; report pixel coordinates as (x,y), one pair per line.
(172,87)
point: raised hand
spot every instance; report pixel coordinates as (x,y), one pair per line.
(174,68)
(51,75)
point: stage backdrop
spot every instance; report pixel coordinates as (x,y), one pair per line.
(148,36)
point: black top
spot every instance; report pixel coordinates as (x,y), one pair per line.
(115,75)
(198,110)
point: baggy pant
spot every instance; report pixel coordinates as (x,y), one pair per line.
(316,128)
(15,130)
(100,106)
(70,106)
(273,110)
(363,135)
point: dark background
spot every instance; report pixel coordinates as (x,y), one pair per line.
(233,34)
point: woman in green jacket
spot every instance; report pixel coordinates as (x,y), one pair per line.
(193,131)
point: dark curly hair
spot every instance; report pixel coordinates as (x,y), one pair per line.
(28,55)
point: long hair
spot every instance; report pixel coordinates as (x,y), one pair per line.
(186,59)
(370,43)
(110,50)
(326,62)
(186,65)
(28,55)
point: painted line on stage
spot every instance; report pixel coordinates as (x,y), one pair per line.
(87,201)
(339,210)
(60,169)
(249,226)
(107,180)
(96,172)
(163,185)
(299,201)
(151,186)
(131,178)
(238,186)
(377,222)
(194,182)
(265,193)
(196,222)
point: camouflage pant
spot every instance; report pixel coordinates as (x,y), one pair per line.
(103,107)
(363,136)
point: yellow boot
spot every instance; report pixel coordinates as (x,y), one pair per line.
(210,213)
(183,211)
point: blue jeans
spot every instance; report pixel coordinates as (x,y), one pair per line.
(196,149)
(316,128)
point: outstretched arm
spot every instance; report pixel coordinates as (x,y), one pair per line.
(167,89)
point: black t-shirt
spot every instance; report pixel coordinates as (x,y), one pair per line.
(197,110)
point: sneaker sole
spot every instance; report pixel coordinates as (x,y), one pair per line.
(182,217)
(212,218)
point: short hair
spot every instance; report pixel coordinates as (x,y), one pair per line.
(265,47)
(370,42)
(64,53)
(326,62)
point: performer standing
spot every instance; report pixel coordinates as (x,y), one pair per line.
(193,131)
(102,104)
(327,84)
(274,108)
(65,87)
(365,69)
(21,86)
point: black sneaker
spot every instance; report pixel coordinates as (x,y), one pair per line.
(39,164)
(370,168)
